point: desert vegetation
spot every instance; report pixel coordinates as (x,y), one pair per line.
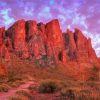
(50,82)
(22,95)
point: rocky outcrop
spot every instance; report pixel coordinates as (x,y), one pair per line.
(79,48)
(47,44)
(27,39)
(2,34)
(70,44)
(81,45)
(17,34)
(35,41)
(31,29)
(4,53)
(3,49)
(55,45)
(91,51)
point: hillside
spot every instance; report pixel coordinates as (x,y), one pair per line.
(31,51)
(46,45)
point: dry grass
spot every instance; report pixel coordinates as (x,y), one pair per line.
(4,88)
(22,95)
(25,93)
(48,86)
(16,83)
(20,70)
(18,98)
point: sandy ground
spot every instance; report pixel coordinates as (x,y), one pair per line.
(5,95)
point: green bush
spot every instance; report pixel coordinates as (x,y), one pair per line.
(48,87)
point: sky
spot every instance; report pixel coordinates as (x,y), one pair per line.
(82,14)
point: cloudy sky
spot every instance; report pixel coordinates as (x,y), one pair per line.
(84,14)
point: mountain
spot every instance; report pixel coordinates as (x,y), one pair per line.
(48,45)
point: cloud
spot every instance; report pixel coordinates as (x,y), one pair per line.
(5,16)
(51,2)
(45,13)
(95,40)
(28,11)
(79,20)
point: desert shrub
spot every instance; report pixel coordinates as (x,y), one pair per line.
(87,94)
(48,87)
(18,98)
(83,96)
(25,93)
(16,83)
(13,76)
(68,93)
(36,62)
(32,87)
(4,88)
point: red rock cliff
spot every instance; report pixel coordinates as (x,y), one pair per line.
(38,41)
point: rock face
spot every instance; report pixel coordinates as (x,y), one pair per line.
(3,49)
(3,70)
(81,45)
(35,42)
(17,34)
(2,33)
(99,60)
(91,51)
(70,44)
(46,43)
(78,47)
(55,43)
(31,40)
(31,29)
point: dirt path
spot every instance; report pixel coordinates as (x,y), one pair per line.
(5,95)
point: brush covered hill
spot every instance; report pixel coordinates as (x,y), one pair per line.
(29,48)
